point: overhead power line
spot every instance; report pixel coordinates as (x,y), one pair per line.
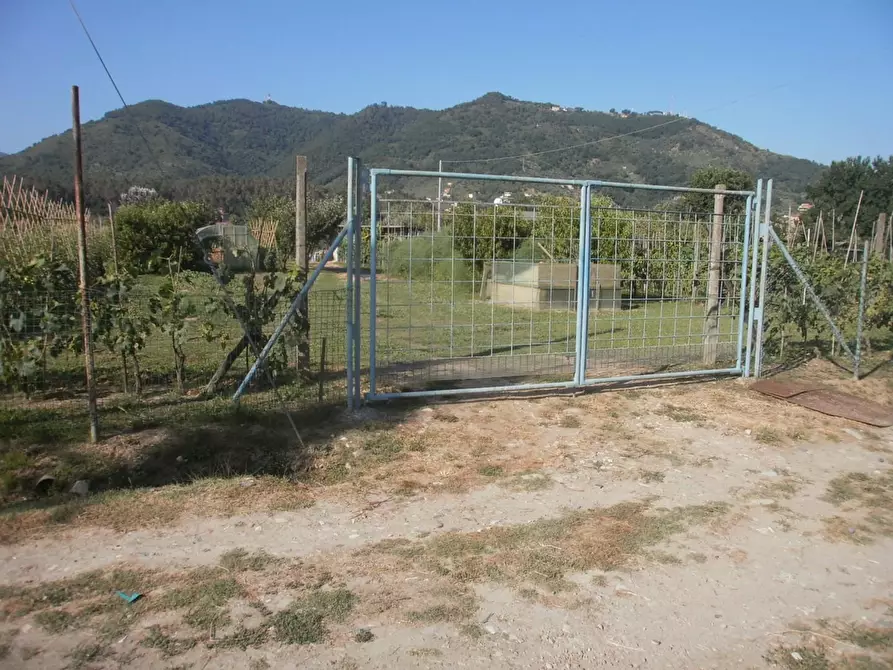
(612,137)
(114,84)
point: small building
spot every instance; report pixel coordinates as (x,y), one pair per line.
(229,244)
(549,285)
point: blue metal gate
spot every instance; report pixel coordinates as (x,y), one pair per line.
(549,287)
(482,289)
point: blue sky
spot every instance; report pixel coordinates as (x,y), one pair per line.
(809,78)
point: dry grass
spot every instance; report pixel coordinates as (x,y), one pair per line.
(457,610)
(681,414)
(545,552)
(124,511)
(167,644)
(867,502)
(569,420)
(85,654)
(819,649)
(528,481)
(195,604)
(239,560)
(784,487)
(652,476)
(768,435)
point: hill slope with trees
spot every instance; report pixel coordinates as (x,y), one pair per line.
(209,150)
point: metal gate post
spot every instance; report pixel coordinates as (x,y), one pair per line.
(583,262)
(741,296)
(755,245)
(764,271)
(373,264)
(351,219)
(357,285)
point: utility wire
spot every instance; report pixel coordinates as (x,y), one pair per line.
(612,137)
(226,296)
(114,84)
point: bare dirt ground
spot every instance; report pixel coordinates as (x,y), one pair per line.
(688,526)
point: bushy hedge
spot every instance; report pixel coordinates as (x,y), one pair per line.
(424,258)
(150,234)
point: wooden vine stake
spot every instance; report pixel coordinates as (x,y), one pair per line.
(89,367)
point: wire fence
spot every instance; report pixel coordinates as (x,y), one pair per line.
(489,290)
(46,326)
(796,329)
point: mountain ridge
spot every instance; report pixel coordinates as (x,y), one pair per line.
(241,138)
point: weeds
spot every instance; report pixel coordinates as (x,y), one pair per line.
(544,551)
(767,435)
(680,414)
(529,480)
(239,560)
(652,476)
(56,621)
(168,646)
(569,421)
(460,610)
(243,638)
(870,494)
(85,653)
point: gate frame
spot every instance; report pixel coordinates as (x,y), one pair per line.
(583,271)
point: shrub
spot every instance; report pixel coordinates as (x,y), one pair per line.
(39,316)
(424,258)
(150,233)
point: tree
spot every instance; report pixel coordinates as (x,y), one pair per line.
(150,233)
(170,311)
(837,189)
(709,177)
(136,195)
(259,304)
(326,214)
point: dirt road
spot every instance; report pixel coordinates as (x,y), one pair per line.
(683,527)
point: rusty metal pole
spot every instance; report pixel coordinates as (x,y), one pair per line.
(89,367)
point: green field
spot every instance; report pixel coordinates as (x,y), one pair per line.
(418,322)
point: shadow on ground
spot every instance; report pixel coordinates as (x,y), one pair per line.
(162,442)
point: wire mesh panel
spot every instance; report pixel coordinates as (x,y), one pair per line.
(652,303)
(551,283)
(475,294)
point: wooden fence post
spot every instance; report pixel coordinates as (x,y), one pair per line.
(302,352)
(879,247)
(89,366)
(711,325)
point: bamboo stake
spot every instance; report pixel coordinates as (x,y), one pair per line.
(852,241)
